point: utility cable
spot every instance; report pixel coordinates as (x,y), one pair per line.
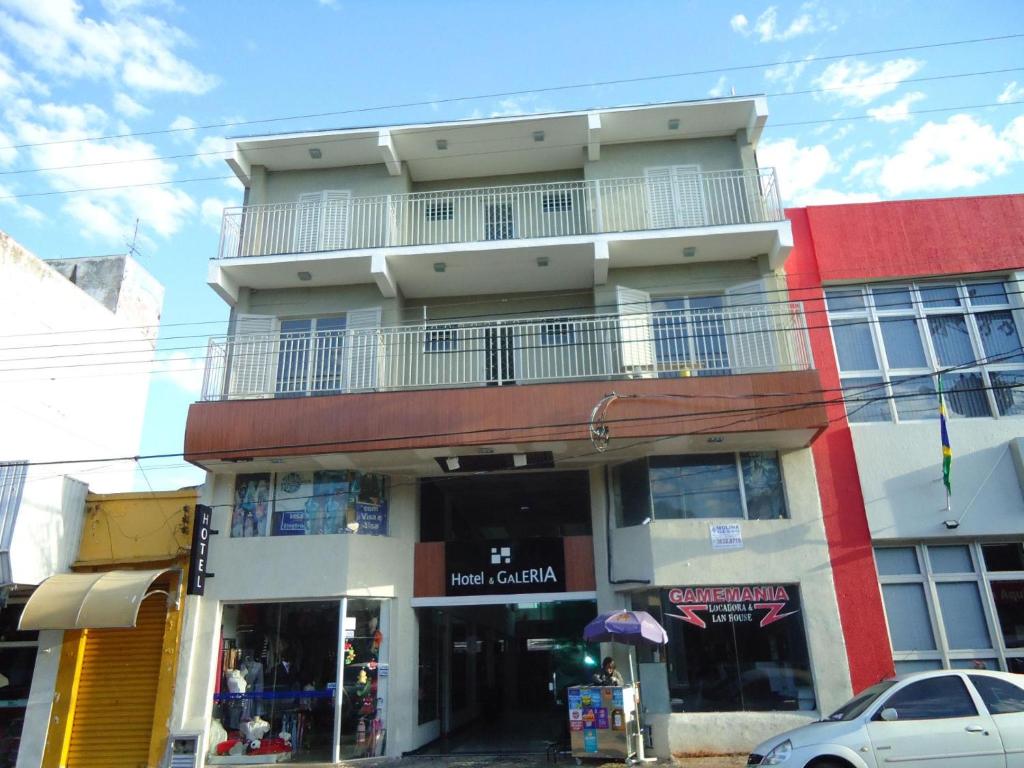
(546,147)
(521,428)
(321,142)
(525,92)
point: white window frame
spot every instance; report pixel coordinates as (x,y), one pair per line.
(744,509)
(872,316)
(928,579)
(312,351)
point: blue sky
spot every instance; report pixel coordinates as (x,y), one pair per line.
(70,70)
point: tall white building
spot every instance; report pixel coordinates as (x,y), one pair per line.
(68,329)
(422,486)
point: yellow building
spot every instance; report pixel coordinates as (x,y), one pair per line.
(120,610)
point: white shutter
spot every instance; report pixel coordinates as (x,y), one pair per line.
(636,333)
(363,348)
(660,205)
(688,191)
(253,356)
(307,222)
(334,219)
(751,327)
(675,196)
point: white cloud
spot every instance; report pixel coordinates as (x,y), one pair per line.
(8,154)
(1012,92)
(898,111)
(212,151)
(857,82)
(108,213)
(21,209)
(960,153)
(183,371)
(510,106)
(787,74)
(801,171)
(211,211)
(137,51)
(810,19)
(719,88)
(129,107)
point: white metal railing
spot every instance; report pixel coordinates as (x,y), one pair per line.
(554,209)
(636,343)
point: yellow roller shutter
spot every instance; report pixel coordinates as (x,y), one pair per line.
(113,718)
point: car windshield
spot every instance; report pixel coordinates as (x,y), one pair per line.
(861,701)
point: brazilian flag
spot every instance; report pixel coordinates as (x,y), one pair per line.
(947,451)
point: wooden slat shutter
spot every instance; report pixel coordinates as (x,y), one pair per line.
(751,328)
(307,223)
(253,356)
(688,191)
(660,204)
(113,717)
(636,333)
(334,219)
(362,327)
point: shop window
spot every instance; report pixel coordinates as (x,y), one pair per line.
(973,591)
(902,335)
(310,503)
(736,648)
(17,663)
(909,625)
(745,485)
(932,699)
(1009,602)
(277,683)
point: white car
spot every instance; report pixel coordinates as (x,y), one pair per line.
(943,719)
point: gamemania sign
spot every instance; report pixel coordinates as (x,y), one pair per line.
(701,606)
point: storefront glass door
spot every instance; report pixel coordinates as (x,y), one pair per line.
(276,695)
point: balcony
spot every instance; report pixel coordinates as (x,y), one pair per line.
(665,199)
(639,344)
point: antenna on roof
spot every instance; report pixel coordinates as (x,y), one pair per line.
(132,250)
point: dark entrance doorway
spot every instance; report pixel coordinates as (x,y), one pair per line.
(502,674)
(494,668)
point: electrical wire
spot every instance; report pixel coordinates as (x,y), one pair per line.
(322,142)
(546,147)
(532,428)
(524,92)
(700,324)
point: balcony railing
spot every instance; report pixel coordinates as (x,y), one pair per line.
(630,344)
(338,222)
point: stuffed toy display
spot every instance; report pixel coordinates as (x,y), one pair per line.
(218,734)
(255,729)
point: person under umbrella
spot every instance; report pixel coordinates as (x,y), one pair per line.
(608,674)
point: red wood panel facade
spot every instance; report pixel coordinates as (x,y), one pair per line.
(240,429)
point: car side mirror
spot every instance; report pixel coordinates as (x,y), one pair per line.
(889,714)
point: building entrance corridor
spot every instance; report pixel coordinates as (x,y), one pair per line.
(501,674)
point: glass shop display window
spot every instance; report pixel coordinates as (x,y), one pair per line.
(309,503)
(735,648)
(277,685)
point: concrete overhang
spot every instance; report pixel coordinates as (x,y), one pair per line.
(502,266)
(500,145)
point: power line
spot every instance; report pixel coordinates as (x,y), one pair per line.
(702,320)
(546,147)
(535,427)
(522,92)
(320,142)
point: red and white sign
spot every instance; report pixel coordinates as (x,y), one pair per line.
(700,606)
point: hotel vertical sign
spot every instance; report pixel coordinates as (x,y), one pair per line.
(199,555)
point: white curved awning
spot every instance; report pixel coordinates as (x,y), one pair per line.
(90,600)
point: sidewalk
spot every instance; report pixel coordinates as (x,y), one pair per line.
(480,761)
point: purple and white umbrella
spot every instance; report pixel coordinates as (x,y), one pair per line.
(627,627)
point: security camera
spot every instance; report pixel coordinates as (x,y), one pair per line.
(951,524)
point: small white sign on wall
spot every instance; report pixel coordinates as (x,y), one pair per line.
(726,536)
